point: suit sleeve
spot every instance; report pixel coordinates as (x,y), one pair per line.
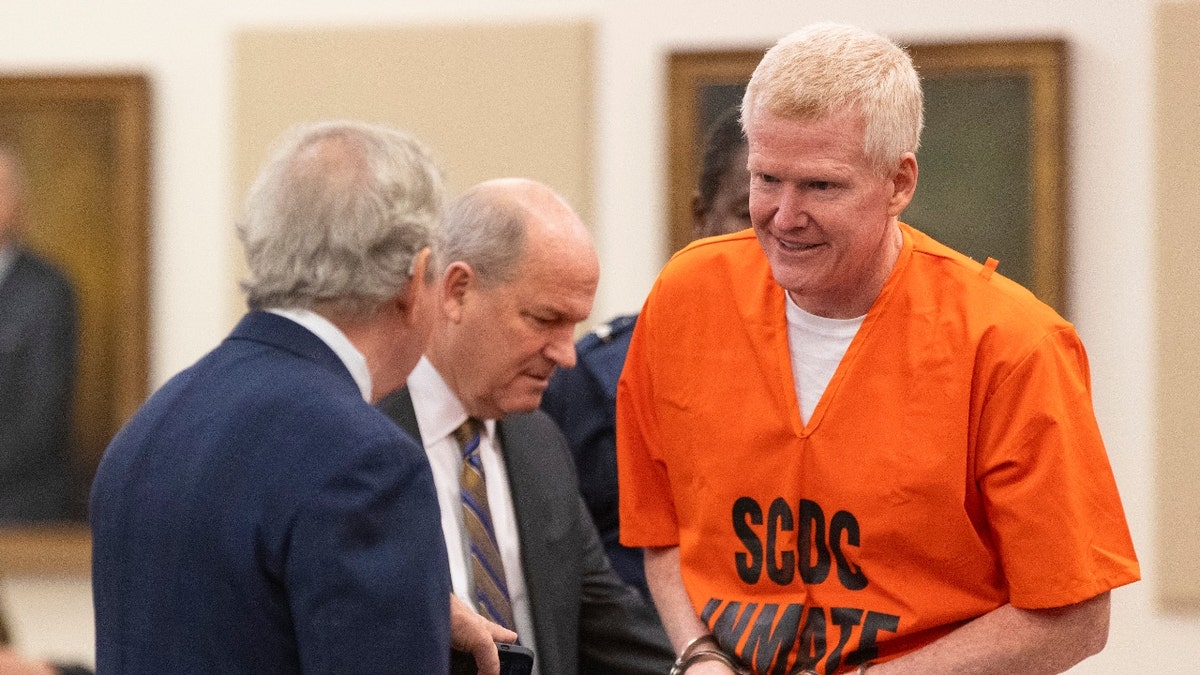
(587,620)
(366,569)
(619,630)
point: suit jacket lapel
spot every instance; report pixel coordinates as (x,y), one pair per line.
(398,405)
(534,526)
(539,526)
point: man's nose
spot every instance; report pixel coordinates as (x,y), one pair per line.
(792,211)
(561,348)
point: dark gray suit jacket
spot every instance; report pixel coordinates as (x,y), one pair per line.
(37,376)
(585,619)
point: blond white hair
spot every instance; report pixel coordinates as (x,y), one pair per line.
(826,68)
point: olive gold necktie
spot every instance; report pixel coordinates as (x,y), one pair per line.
(490,590)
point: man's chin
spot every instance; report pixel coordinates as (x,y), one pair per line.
(525,401)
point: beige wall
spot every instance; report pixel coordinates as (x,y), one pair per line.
(1177,130)
(490,99)
(50,616)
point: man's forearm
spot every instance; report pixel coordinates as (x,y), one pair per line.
(671,598)
(1005,640)
(1011,640)
(675,606)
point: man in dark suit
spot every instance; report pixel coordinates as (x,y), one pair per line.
(521,274)
(37,368)
(258,514)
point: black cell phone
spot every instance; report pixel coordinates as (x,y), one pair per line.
(514,660)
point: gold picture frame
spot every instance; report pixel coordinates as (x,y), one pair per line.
(993,156)
(700,86)
(85,143)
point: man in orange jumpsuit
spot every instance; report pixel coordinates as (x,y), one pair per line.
(845,446)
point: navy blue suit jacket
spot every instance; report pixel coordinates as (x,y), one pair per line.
(257,516)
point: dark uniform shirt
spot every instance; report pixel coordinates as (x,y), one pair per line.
(583,401)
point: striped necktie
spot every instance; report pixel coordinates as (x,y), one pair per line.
(491,589)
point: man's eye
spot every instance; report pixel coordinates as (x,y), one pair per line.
(821,185)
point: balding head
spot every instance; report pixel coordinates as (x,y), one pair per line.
(491,224)
(521,272)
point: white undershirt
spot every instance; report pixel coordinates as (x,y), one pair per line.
(439,413)
(336,340)
(817,345)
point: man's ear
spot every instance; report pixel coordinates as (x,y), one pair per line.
(904,184)
(408,299)
(457,282)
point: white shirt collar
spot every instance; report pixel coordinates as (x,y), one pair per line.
(336,340)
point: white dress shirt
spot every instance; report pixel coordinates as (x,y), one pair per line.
(439,413)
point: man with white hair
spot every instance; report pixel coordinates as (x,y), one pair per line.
(258,514)
(846,446)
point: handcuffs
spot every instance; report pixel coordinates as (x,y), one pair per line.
(706,648)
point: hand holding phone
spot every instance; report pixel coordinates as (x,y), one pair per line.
(515,659)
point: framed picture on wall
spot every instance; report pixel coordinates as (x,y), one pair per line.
(701,86)
(84,143)
(992,159)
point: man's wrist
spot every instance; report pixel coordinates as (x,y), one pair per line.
(722,657)
(700,642)
(704,648)
(703,641)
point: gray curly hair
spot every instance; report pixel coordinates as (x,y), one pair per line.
(337,217)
